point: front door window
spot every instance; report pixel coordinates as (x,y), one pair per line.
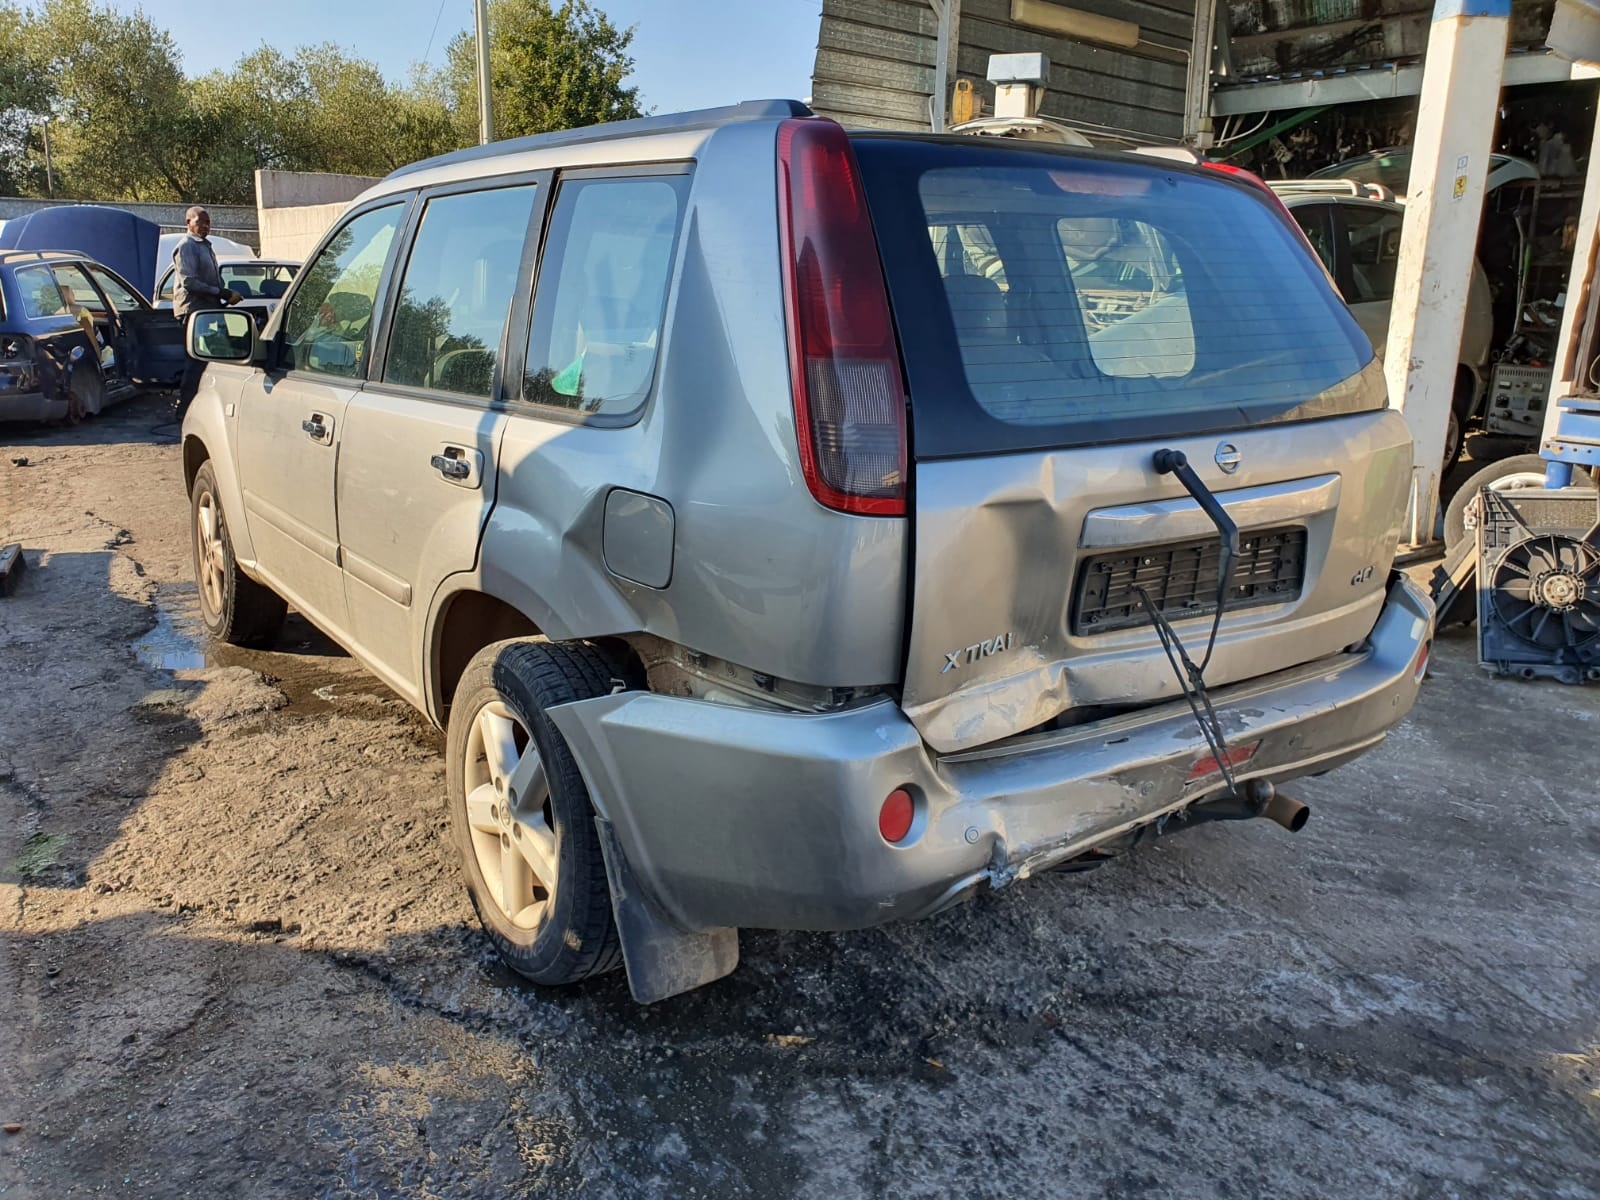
(328,328)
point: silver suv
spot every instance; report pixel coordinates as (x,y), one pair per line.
(800,529)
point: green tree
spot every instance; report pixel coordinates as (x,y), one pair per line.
(550,68)
(120,99)
(25,95)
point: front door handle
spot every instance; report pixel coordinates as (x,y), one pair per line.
(318,428)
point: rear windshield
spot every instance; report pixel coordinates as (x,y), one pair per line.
(1048,299)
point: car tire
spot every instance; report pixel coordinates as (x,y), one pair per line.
(88,387)
(524,828)
(1454,437)
(1509,474)
(234,607)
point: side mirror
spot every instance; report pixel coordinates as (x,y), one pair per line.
(217,336)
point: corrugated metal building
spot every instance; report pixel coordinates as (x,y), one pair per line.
(877,59)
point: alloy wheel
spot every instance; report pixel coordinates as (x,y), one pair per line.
(508,812)
(209,554)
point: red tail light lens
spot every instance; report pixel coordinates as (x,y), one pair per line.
(844,363)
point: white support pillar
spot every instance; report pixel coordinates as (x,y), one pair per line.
(1455,133)
(1569,373)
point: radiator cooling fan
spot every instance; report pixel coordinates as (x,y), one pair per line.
(1539,586)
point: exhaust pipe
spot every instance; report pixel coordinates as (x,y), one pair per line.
(1257,798)
(1291,814)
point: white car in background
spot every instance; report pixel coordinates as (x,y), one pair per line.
(260,282)
(1354,226)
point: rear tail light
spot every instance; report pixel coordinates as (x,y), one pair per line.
(1256,181)
(844,362)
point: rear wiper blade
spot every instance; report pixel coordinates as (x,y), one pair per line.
(1191,678)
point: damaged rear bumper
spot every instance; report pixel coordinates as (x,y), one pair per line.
(736,817)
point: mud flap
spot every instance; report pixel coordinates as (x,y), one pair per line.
(662,958)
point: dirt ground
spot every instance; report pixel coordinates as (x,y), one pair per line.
(236,958)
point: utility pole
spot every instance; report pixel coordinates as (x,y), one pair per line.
(485,106)
(49,163)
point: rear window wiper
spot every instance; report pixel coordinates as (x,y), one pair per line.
(1191,676)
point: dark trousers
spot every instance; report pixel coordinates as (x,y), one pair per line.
(192,371)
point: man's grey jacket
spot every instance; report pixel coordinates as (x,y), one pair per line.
(199,280)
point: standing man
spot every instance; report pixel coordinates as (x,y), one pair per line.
(198,285)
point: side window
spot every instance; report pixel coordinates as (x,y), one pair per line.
(40,296)
(1131,298)
(76,290)
(456,290)
(330,316)
(168,285)
(1372,236)
(122,299)
(1313,218)
(602,293)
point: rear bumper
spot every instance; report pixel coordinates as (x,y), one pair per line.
(738,817)
(20,398)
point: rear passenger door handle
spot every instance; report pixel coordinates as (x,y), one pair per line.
(459,465)
(318,428)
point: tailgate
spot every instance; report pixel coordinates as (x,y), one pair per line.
(1022,604)
(1062,316)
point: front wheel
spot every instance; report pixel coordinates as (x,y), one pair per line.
(234,607)
(520,814)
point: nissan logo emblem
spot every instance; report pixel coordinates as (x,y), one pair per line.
(1228,458)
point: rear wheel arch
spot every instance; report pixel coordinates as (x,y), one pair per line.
(466,622)
(470,619)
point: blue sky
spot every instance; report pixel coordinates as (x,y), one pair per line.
(687,53)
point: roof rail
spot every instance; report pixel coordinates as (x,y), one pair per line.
(1332,187)
(703,118)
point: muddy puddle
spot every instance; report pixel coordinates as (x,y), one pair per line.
(313,671)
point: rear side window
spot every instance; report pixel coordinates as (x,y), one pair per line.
(1373,238)
(40,296)
(456,290)
(1095,299)
(77,292)
(602,292)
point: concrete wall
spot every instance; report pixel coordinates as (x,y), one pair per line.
(229,220)
(295,208)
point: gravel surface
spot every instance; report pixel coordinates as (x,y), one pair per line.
(237,959)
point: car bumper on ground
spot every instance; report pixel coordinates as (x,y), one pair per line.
(747,818)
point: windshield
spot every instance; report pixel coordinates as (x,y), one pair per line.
(1051,299)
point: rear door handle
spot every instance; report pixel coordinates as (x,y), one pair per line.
(459,465)
(318,428)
